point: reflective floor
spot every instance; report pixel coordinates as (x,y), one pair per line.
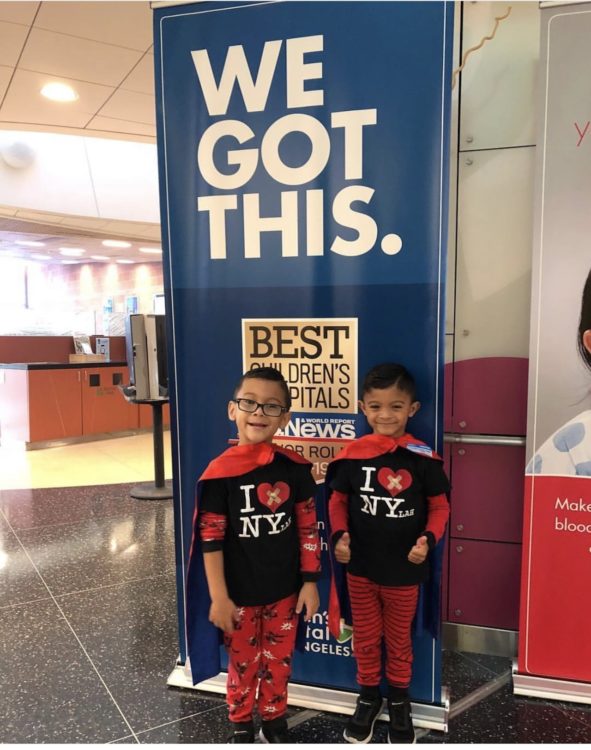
(88,630)
(123,459)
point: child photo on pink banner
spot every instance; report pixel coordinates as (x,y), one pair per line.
(568,450)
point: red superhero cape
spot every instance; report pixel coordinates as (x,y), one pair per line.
(367,447)
(240,459)
(372,446)
(203,638)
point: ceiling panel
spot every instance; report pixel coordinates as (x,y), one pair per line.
(24,104)
(97,47)
(18,12)
(78,59)
(12,38)
(123,127)
(5,74)
(128,105)
(141,78)
(13,232)
(126,24)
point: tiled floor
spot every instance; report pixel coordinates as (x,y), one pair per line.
(88,630)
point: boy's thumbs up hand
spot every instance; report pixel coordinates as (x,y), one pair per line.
(419,552)
(342,549)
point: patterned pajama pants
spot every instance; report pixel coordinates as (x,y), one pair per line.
(259,655)
(378,612)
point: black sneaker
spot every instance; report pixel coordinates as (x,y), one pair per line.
(274,731)
(400,728)
(359,729)
(242,733)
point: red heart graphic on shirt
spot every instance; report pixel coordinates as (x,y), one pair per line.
(394,481)
(273,495)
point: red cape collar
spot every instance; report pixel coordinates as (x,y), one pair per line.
(370,446)
(240,459)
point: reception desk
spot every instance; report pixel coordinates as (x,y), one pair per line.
(42,402)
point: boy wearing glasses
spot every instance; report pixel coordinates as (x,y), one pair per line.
(257,524)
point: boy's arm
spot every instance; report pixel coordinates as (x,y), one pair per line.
(437,517)
(338,502)
(212,530)
(338,512)
(436,486)
(305,516)
(222,612)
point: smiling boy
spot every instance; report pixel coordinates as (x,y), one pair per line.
(387,509)
(257,524)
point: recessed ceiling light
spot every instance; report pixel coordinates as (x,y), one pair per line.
(29,243)
(124,260)
(116,243)
(59,92)
(37,256)
(151,250)
(74,252)
(100,257)
(69,262)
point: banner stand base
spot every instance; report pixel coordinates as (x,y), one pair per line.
(550,688)
(424,715)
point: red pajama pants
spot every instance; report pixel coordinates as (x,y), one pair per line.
(259,655)
(382,612)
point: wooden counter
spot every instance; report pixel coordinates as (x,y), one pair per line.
(42,402)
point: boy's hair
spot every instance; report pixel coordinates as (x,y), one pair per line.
(389,374)
(266,373)
(585,321)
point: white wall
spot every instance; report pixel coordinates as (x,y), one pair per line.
(495,194)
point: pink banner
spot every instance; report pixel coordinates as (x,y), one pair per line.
(554,638)
(556,606)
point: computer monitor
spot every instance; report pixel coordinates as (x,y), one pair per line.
(157,361)
(137,355)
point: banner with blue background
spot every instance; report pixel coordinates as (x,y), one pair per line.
(303,172)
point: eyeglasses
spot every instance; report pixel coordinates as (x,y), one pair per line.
(250,406)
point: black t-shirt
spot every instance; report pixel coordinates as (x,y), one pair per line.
(388,512)
(261,544)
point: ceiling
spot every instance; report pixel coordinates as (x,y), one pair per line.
(49,244)
(104,51)
(15,221)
